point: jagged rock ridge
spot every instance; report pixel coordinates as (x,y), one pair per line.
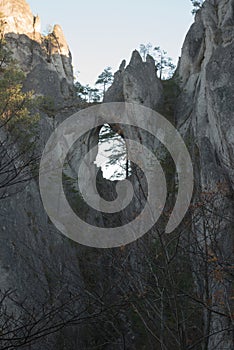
(46,60)
(137,83)
(18,18)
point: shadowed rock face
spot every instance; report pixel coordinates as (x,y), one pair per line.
(25,231)
(138,84)
(206,68)
(205,117)
(31,249)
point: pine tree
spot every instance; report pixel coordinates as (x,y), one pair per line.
(105,78)
(197,4)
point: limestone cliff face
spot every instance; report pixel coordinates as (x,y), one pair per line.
(205,117)
(24,226)
(137,83)
(18,17)
(46,60)
(41,264)
(206,68)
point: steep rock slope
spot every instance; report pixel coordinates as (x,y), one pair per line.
(206,67)
(204,115)
(46,60)
(34,258)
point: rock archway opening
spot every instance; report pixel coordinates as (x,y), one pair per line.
(112,155)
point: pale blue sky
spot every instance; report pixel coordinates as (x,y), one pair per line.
(103,33)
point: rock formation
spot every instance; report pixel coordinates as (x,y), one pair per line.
(208,86)
(46,60)
(18,18)
(44,266)
(138,83)
(26,232)
(204,114)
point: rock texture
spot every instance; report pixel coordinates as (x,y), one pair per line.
(42,265)
(26,232)
(205,117)
(137,83)
(18,18)
(46,60)
(205,69)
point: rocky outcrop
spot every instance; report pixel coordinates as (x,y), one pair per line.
(205,66)
(137,83)
(46,60)
(205,117)
(18,18)
(26,232)
(42,265)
